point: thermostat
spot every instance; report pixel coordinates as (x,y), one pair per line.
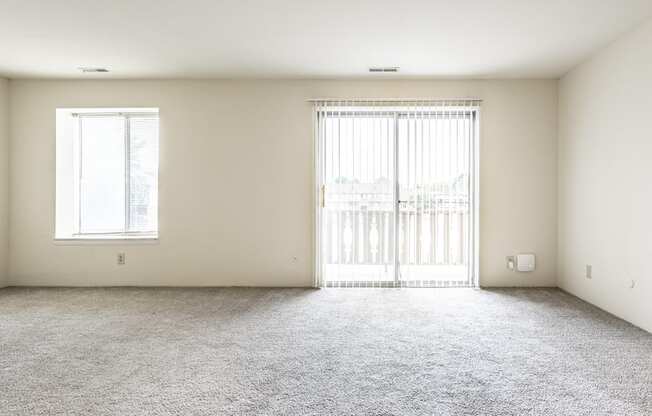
(525,262)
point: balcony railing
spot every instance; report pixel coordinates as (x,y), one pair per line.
(358,228)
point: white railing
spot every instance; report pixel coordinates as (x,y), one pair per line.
(429,233)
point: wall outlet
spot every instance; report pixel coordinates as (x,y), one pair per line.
(510,262)
(121,259)
(589,271)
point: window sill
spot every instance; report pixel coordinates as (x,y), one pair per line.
(107,239)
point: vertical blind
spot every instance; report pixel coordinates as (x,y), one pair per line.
(396,182)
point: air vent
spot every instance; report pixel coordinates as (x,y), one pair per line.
(384,69)
(87,69)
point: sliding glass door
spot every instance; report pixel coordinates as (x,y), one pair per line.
(396,194)
(358,194)
(434,209)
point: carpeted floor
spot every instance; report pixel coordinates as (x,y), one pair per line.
(126,351)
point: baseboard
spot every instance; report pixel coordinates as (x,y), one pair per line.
(569,293)
(36,286)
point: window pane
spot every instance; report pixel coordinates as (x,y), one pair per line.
(143,174)
(102,193)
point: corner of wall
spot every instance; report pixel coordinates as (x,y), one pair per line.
(4,181)
(602,166)
(557,180)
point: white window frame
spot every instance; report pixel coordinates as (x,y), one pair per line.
(73,155)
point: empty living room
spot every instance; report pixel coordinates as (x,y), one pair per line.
(312,208)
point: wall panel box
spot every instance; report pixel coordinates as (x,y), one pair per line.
(525,262)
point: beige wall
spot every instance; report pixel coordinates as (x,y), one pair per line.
(4,181)
(236,201)
(605,169)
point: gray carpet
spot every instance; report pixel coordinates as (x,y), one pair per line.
(317,352)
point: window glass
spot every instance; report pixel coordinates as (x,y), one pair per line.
(143,174)
(102,177)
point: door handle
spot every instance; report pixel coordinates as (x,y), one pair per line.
(323,196)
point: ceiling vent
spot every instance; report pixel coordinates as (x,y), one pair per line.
(91,70)
(384,69)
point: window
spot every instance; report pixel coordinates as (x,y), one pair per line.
(107,173)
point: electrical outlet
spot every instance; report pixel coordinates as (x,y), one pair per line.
(121,259)
(632,284)
(511,262)
(589,271)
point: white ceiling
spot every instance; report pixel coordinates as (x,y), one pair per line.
(307,38)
